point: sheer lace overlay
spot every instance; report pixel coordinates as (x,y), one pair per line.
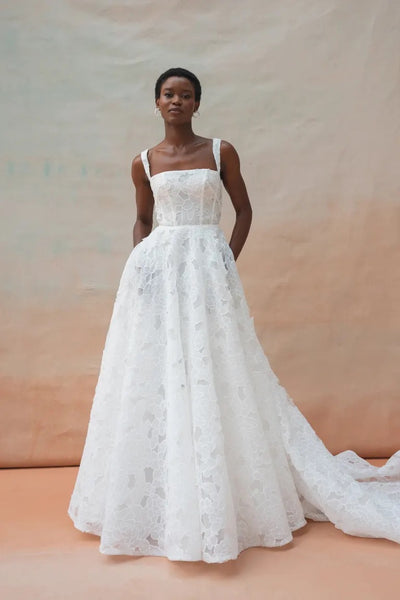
(194,450)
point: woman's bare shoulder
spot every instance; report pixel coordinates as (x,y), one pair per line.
(137,163)
(227,148)
(138,172)
(229,155)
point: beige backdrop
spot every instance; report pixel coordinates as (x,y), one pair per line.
(308,92)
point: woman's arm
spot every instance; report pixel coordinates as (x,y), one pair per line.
(144,201)
(236,188)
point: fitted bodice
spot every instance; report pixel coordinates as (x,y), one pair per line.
(188,196)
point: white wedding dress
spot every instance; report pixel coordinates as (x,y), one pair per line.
(194,451)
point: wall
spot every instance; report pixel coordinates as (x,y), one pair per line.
(308,92)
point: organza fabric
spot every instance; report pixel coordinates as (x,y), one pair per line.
(194,450)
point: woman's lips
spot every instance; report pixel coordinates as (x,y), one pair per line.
(175,110)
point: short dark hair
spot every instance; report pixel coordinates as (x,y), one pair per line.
(179,72)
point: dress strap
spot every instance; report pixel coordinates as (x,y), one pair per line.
(145,162)
(217,152)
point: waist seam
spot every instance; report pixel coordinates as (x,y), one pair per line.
(192,225)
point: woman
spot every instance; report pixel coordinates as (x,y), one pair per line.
(194,450)
(181,148)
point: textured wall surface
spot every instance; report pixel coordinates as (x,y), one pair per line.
(309,94)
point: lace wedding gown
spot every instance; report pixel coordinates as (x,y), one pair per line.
(194,450)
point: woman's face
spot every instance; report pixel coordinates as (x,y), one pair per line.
(177,102)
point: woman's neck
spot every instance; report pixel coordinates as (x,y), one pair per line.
(179,136)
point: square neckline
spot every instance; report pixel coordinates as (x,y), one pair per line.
(184,170)
(217,170)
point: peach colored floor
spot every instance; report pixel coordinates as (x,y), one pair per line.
(43,557)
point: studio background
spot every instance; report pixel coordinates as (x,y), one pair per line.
(309,94)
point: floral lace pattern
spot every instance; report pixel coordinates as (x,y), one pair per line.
(194,450)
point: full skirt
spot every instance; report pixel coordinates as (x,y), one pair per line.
(194,450)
